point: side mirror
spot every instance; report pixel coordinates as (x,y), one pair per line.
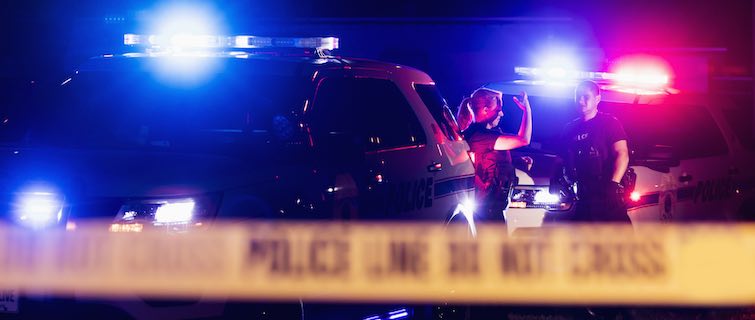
(656,157)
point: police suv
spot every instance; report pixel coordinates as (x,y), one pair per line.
(190,129)
(688,161)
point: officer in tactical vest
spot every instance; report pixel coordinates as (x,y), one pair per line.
(596,158)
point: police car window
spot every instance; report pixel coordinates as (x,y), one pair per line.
(689,129)
(438,107)
(373,111)
(232,114)
(739,114)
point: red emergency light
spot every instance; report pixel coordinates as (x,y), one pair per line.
(640,70)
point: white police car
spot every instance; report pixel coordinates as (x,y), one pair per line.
(690,164)
(190,129)
(246,127)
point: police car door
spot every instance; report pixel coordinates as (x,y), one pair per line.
(702,180)
(735,115)
(674,192)
(375,120)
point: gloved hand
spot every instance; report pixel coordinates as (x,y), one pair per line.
(614,189)
(616,202)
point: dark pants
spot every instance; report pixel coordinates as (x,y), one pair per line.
(597,203)
(493,197)
(491,209)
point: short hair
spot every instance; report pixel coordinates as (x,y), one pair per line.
(588,85)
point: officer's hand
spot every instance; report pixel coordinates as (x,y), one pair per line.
(525,103)
(528,161)
(615,188)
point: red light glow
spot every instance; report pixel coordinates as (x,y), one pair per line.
(641,70)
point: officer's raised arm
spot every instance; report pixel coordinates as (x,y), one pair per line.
(524,137)
(494,170)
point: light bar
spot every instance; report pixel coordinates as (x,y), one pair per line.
(239,42)
(328,43)
(628,78)
(639,78)
(561,73)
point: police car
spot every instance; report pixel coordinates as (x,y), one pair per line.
(689,163)
(188,129)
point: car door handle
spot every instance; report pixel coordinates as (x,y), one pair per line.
(435,167)
(685,178)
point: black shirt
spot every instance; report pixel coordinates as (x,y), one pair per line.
(494,172)
(589,146)
(481,142)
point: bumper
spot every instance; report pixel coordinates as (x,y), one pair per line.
(522,218)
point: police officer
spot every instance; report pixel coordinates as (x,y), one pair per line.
(596,158)
(479,116)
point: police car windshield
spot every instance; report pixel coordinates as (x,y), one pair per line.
(646,125)
(232,113)
(690,129)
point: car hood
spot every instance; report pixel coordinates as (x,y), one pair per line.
(543,166)
(117,173)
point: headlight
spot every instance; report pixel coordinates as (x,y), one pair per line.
(37,209)
(174,211)
(543,196)
(538,197)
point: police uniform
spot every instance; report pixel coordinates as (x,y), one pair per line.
(494,172)
(590,162)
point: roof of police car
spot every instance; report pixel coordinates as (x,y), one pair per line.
(125,60)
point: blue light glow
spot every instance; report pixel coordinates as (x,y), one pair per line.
(184,69)
(181,18)
(554,62)
(176,27)
(38,209)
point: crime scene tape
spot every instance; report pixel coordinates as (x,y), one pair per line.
(406,262)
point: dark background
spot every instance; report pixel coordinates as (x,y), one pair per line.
(461,44)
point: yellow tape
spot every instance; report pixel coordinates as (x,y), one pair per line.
(670,265)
